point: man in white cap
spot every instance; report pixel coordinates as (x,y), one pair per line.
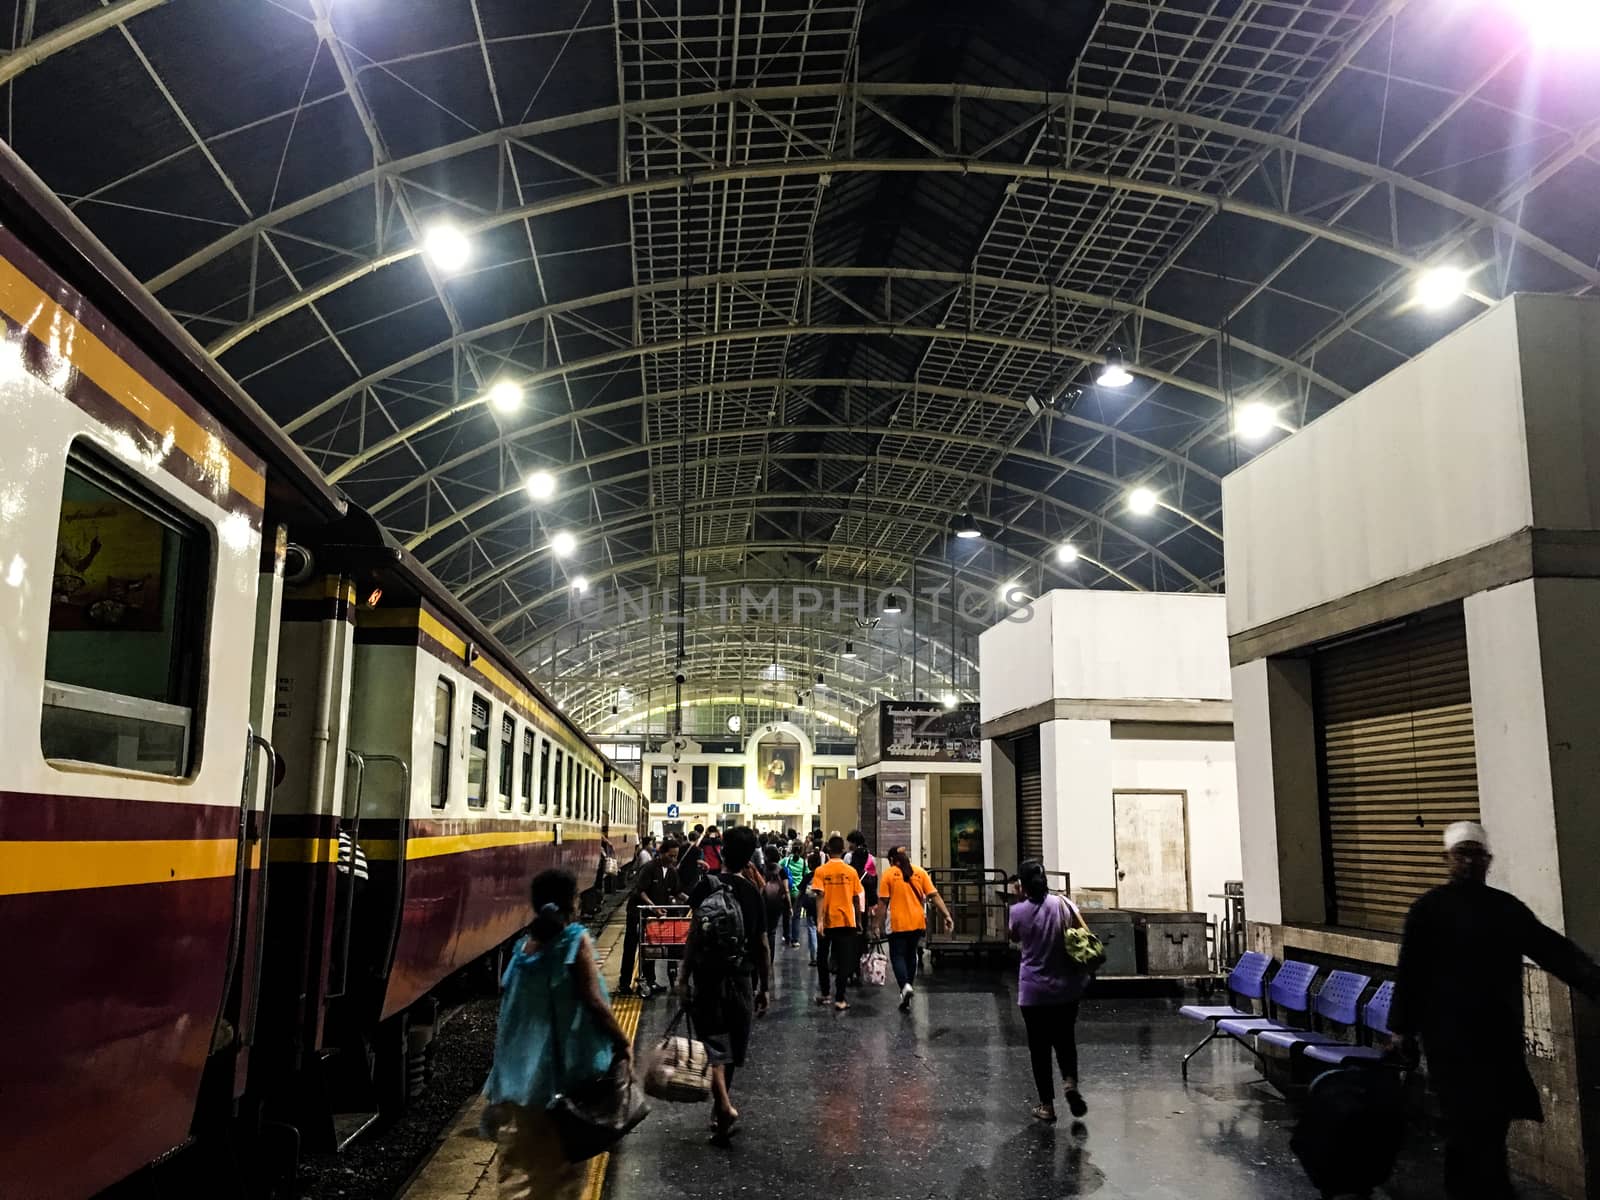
(1459,989)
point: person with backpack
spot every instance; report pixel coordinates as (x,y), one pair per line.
(1049,987)
(727,970)
(904,895)
(779,905)
(840,902)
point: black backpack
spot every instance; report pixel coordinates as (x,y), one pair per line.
(719,929)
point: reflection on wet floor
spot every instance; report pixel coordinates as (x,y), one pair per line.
(934,1105)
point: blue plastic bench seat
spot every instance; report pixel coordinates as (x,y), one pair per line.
(1338,1054)
(1212,1012)
(1244,1027)
(1375,1017)
(1291,1039)
(1338,1003)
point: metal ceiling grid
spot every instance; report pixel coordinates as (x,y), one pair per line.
(792,269)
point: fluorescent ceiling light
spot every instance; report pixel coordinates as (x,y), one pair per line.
(1255,421)
(446,246)
(505,397)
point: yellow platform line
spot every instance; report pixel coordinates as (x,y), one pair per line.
(627,1010)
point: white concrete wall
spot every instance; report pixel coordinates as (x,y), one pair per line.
(1491,430)
(1258,822)
(1204,770)
(1099,645)
(1075,761)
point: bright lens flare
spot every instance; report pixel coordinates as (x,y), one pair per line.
(1439,287)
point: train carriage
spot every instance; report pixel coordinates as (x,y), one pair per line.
(214,733)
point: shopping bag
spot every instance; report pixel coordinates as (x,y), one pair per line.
(875,967)
(595,1116)
(679,1071)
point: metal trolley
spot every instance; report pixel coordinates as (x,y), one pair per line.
(663,937)
(977,900)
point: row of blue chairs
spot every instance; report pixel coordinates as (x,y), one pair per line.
(1291,1019)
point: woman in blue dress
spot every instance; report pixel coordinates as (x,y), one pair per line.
(556,1032)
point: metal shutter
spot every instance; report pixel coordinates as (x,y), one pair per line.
(1030,797)
(1394,723)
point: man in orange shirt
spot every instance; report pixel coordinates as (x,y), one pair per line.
(903,895)
(840,899)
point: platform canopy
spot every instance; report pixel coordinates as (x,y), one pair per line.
(777,292)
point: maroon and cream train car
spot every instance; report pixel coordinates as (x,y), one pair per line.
(138,487)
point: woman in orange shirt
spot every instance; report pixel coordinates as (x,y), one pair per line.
(903,895)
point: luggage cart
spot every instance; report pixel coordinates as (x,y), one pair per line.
(663,937)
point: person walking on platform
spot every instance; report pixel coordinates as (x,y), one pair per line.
(866,866)
(556,1031)
(1459,990)
(779,905)
(728,971)
(840,902)
(654,886)
(793,864)
(904,895)
(1049,987)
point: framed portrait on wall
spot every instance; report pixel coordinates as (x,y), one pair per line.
(778,765)
(966,837)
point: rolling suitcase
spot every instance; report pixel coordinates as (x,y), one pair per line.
(1351,1129)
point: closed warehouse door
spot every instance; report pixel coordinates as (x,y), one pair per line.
(1030,796)
(1394,720)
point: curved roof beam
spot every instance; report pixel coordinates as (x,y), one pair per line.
(96,22)
(808,276)
(466,511)
(839,166)
(1045,102)
(612,726)
(972,478)
(792,382)
(724,337)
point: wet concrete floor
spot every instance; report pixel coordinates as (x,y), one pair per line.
(934,1105)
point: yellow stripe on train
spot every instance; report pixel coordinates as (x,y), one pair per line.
(462,843)
(28,867)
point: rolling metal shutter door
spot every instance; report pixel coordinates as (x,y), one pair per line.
(1394,723)
(1030,797)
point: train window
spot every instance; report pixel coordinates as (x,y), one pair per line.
(130,596)
(572,791)
(544,776)
(508,758)
(527,770)
(556,789)
(478,754)
(443,722)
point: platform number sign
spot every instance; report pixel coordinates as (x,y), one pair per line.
(672,812)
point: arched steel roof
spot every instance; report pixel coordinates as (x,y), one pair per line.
(789,285)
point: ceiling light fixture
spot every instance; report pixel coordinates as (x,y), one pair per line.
(580,583)
(949,699)
(505,397)
(966,527)
(892,606)
(446,246)
(541,485)
(849,650)
(1115,373)
(1438,288)
(1255,421)
(1141,501)
(1066,553)
(563,543)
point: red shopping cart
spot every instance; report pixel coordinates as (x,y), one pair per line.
(663,937)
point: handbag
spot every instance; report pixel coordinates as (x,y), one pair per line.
(1084,950)
(875,967)
(595,1115)
(610,865)
(680,1071)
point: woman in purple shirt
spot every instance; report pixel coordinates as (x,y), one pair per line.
(1049,986)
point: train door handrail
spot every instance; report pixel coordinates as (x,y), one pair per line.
(401,840)
(349,824)
(247,1031)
